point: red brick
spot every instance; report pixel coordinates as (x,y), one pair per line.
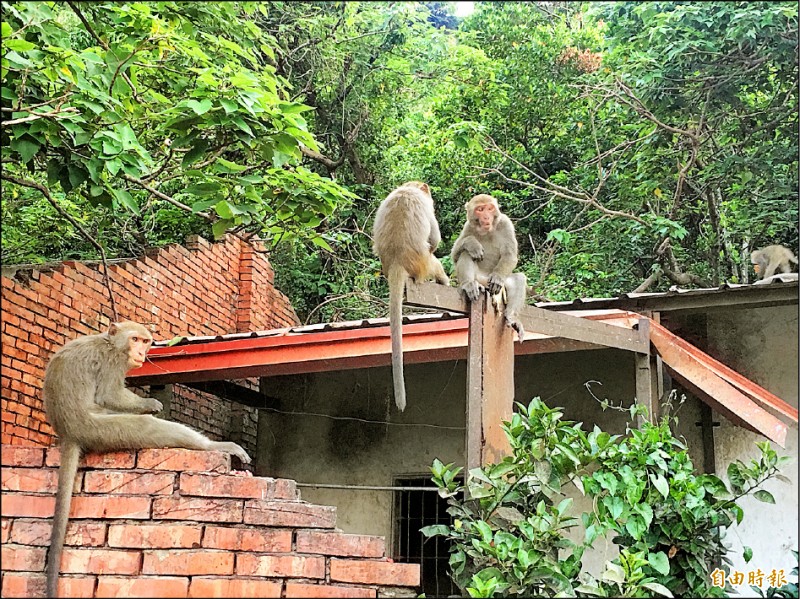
(31,457)
(233,587)
(209,485)
(112,459)
(26,559)
(184,460)
(101,561)
(37,532)
(35,480)
(20,505)
(130,483)
(248,539)
(142,586)
(334,543)
(182,562)
(375,572)
(32,585)
(110,507)
(300,590)
(294,566)
(289,513)
(155,536)
(197,509)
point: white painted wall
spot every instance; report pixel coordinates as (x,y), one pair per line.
(762,345)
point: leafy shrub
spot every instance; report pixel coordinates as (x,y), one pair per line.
(508,533)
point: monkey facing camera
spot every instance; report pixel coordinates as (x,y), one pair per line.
(486,253)
(404,237)
(91,410)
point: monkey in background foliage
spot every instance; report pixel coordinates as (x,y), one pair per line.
(91,410)
(771,259)
(485,254)
(405,235)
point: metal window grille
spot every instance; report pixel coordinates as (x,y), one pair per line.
(413,510)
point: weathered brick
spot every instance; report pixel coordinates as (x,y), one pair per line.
(29,457)
(209,485)
(184,460)
(5,530)
(334,543)
(289,513)
(101,561)
(22,505)
(198,509)
(299,590)
(187,562)
(111,459)
(233,587)
(36,480)
(32,585)
(20,558)
(248,539)
(129,483)
(142,586)
(290,566)
(375,572)
(37,532)
(155,536)
(110,506)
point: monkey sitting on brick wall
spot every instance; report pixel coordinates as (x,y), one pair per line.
(773,259)
(91,410)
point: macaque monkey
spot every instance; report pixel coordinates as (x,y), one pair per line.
(485,254)
(91,410)
(772,258)
(405,236)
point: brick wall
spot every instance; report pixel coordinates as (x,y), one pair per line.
(178,523)
(200,289)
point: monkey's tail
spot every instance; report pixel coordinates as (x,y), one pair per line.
(70,458)
(397,283)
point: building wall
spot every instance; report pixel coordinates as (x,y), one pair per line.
(762,345)
(200,289)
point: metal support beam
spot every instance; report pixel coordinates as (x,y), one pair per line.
(490,383)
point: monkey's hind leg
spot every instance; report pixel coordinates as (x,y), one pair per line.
(124,431)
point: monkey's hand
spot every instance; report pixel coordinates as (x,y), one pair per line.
(474,248)
(472,289)
(495,283)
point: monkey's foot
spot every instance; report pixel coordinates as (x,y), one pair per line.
(517,326)
(495,284)
(473,290)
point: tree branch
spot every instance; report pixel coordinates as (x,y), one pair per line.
(46,193)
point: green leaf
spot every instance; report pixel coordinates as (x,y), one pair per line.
(194,154)
(764,496)
(26,147)
(224,209)
(659,561)
(660,483)
(747,554)
(200,107)
(7,30)
(220,227)
(126,199)
(18,45)
(657,588)
(175,340)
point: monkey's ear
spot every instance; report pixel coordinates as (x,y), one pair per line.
(113,329)
(466,206)
(424,187)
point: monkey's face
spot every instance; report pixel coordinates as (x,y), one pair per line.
(138,346)
(483,216)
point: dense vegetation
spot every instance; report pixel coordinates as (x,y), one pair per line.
(634,144)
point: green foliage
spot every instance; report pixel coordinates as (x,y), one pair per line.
(128,106)
(509,519)
(786,590)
